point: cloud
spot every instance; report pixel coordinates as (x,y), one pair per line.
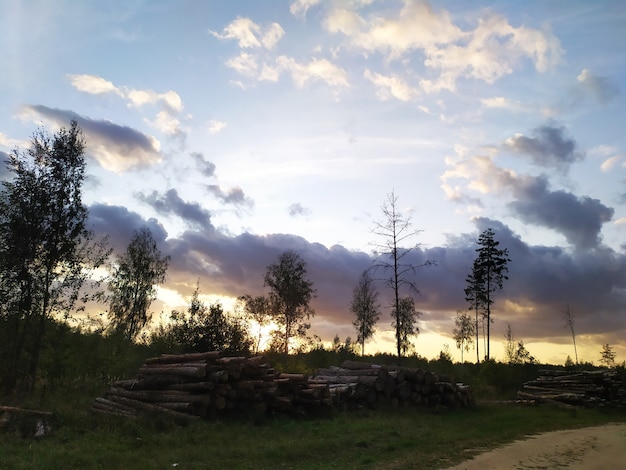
(315,70)
(94,85)
(117,223)
(612,162)
(601,88)
(117,148)
(542,279)
(250,35)
(299,8)
(393,86)
(170,102)
(579,219)
(215,127)
(549,147)
(297,209)
(490,50)
(234,196)
(171,203)
(206,167)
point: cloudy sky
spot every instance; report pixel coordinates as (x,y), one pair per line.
(237,130)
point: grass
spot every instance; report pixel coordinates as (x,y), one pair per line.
(400,438)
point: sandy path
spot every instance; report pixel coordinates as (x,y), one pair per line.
(601,448)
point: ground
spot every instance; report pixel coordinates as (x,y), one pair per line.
(601,447)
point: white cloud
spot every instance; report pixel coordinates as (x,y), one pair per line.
(496,102)
(610,163)
(316,69)
(216,127)
(489,51)
(251,35)
(620,221)
(391,86)
(169,99)
(244,63)
(93,85)
(299,8)
(166,123)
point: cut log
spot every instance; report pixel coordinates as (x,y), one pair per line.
(191,357)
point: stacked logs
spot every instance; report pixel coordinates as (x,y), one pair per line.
(588,388)
(209,384)
(357,384)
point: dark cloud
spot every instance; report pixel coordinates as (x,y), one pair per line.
(116,148)
(549,147)
(298,209)
(234,196)
(172,203)
(579,219)
(542,280)
(206,167)
(601,88)
(118,224)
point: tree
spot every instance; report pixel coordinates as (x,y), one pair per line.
(464,332)
(257,309)
(488,274)
(405,322)
(516,353)
(366,308)
(208,328)
(46,249)
(133,283)
(569,323)
(607,356)
(395,229)
(473,295)
(290,295)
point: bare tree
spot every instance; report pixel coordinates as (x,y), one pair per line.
(569,323)
(395,229)
(366,308)
(290,295)
(464,332)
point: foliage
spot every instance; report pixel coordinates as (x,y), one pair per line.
(395,229)
(516,353)
(607,356)
(290,295)
(45,246)
(405,322)
(133,283)
(473,295)
(487,276)
(366,308)
(463,334)
(256,309)
(203,328)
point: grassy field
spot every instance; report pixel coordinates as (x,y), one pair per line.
(383,439)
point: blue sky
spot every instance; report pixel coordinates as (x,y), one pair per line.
(236,130)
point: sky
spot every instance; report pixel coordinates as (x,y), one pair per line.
(237,130)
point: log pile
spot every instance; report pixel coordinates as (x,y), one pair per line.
(210,384)
(357,384)
(586,388)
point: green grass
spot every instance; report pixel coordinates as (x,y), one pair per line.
(400,438)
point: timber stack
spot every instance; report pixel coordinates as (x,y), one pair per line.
(356,384)
(586,388)
(210,384)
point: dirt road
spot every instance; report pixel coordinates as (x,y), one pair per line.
(595,448)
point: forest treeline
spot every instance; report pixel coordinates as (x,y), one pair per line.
(48,257)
